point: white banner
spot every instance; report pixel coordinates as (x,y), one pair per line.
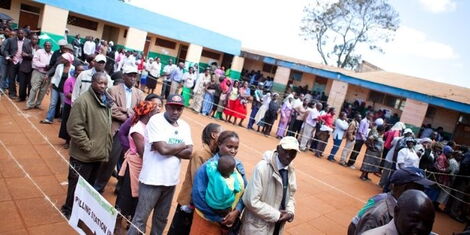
(91,213)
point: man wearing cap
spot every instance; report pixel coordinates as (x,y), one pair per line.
(379,210)
(39,78)
(269,196)
(125,97)
(168,141)
(84,79)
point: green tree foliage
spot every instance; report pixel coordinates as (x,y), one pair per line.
(339,28)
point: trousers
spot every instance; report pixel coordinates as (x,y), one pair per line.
(156,198)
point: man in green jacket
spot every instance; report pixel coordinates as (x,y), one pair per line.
(89,127)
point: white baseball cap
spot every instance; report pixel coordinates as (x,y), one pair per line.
(100,57)
(62,42)
(129,69)
(289,143)
(407,130)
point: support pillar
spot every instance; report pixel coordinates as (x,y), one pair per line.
(53,24)
(337,94)
(135,39)
(413,114)
(193,55)
(237,67)
(281,78)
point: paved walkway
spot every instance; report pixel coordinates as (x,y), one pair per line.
(328,195)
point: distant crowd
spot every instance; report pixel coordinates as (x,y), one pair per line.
(109,125)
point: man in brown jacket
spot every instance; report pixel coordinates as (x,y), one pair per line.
(125,97)
(350,139)
(89,127)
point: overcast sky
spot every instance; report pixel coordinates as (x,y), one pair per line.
(431,42)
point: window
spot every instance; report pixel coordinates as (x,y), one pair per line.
(296,76)
(5,4)
(81,22)
(269,68)
(210,54)
(376,97)
(165,43)
(125,33)
(29,8)
(387,100)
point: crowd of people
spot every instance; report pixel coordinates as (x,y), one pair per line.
(109,125)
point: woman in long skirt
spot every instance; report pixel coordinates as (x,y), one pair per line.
(373,157)
(68,88)
(199,90)
(286,112)
(239,109)
(271,115)
(229,110)
(262,110)
(188,82)
(208,101)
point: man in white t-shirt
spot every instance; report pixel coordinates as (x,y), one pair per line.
(169,141)
(407,156)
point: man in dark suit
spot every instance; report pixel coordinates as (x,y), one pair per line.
(25,69)
(13,54)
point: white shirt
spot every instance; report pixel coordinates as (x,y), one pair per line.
(128,93)
(83,83)
(89,48)
(297,103)
(168,69)
(408,157)
(312,116)
(154,69)
(130,61)
(340,127)
(189,79)
(158,169)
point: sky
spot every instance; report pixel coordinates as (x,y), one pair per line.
(430,43)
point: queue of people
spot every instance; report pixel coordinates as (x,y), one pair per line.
(110,127)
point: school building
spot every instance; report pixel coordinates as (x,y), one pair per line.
(417,101)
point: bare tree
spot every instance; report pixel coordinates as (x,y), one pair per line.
(339,28)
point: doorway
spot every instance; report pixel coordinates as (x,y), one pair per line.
(110,33)
(183,51)
(227,61)
(29,16)
(147,47)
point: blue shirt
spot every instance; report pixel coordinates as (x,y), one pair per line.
(176,75)
(128,93)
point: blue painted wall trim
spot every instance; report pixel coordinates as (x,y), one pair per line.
(128,15)
(449,104)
